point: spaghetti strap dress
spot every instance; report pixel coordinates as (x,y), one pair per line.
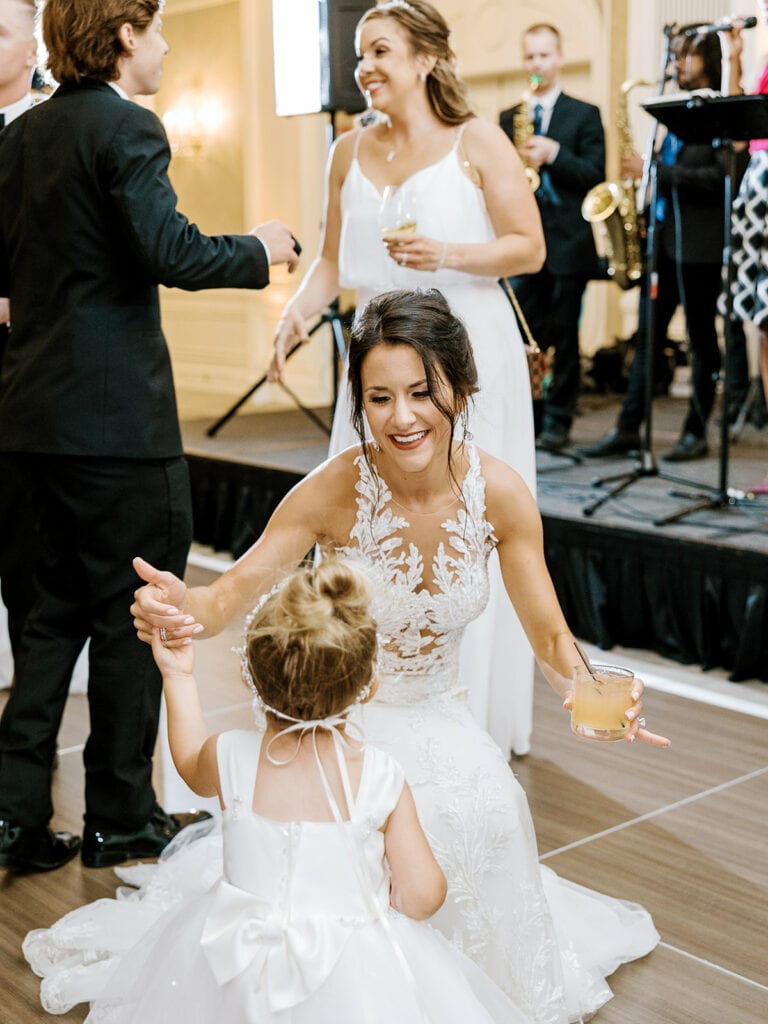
(450,207)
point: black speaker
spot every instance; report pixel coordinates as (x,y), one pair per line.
(314,51)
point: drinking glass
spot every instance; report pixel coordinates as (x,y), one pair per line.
(600,703)
(397,213)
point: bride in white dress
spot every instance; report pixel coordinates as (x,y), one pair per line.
(476,222)
(423,513)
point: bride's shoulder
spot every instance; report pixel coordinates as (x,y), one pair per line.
(506,493)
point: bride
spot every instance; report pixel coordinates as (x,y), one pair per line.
(422,513)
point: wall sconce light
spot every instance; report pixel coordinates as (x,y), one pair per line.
(193,123)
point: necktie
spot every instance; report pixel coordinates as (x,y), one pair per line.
(538,112)
(546,190)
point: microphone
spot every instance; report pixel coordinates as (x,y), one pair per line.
(724,25)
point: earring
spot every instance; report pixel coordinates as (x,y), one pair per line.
(375,445)
(423,76)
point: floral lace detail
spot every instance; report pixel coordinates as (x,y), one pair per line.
(420,630)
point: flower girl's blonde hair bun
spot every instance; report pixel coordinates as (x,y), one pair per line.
(311,646)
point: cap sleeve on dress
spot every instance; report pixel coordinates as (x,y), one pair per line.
(380,786)
(237,755)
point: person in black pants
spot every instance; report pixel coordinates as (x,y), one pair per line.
(568,151)
(88,421)
(690,215)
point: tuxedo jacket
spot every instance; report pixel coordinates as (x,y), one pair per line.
(88,230)
(579,165)
(692,229)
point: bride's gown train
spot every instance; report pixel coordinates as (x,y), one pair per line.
(451,208)
(546,942)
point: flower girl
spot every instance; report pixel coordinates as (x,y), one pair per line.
(318,917)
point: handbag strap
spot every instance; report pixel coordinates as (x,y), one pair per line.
(507,287)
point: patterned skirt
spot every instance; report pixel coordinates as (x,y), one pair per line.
(750,243)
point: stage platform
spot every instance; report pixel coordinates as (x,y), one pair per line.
(695,591)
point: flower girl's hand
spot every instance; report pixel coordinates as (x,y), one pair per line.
(173,661)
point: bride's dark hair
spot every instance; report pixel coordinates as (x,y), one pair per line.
(422,319)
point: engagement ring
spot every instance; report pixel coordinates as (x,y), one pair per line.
(641,722)
(163,636)
(404,259)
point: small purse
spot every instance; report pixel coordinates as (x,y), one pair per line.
(537,361)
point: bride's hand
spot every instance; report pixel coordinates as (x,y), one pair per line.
(159,604)
(291,328)
(416,251)
(637,730)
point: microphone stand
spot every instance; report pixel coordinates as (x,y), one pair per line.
(646,466)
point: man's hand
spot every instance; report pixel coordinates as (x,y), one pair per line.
(282,246)
(631,167)
(539,150)
(5,311)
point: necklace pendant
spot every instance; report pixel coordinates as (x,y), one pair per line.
(391,156)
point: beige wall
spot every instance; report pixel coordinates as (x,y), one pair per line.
(260,166)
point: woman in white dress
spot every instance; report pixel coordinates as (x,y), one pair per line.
(476,221)
(422,513)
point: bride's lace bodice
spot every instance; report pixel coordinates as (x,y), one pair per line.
(421,609)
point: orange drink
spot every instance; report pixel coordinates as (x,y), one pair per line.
(600,704)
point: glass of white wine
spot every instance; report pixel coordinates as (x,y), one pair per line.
(397,212)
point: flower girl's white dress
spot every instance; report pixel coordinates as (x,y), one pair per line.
(298,930)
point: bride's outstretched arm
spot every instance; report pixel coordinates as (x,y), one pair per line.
(301,519)
(517,525)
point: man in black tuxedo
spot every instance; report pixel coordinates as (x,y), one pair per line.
(568,151)
(88,421)
(18,56)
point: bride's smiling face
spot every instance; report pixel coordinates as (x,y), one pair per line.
(405,423)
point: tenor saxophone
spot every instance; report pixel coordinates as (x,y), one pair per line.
(522,130)
(611,209)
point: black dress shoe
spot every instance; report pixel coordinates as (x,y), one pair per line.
(28,848)
(552,440)
(102,848)
(617,442)
(688,447)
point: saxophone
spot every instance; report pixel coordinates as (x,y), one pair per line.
(611,209)
(522,130)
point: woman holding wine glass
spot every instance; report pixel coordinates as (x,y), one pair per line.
(475,221)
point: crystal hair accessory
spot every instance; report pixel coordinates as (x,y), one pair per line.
(393,4)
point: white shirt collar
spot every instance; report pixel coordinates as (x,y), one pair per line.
(120,92)
(13,110)
(547,101)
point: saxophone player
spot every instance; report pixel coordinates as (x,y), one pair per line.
(567,149)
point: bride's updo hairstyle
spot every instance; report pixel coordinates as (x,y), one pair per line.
(422,319)
(311,646)
(428,33)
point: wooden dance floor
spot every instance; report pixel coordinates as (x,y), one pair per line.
(683,831)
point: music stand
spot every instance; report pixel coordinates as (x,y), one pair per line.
(720,121)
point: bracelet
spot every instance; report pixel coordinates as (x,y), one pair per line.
(443,254)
